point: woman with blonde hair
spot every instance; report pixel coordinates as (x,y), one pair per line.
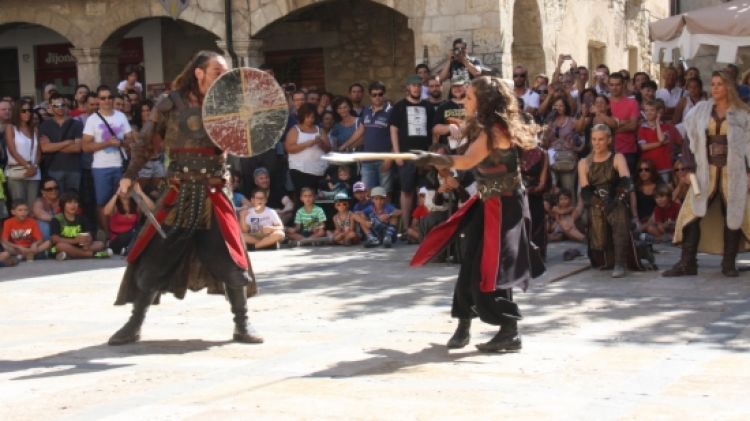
(494,223)
(717,156)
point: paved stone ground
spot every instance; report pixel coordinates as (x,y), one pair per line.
(355,334)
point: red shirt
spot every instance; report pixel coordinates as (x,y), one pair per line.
(666,214)
(22,233)
(661,156)
(625,109)
(121,223)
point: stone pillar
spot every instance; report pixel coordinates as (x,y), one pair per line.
(97,66)
(249,52)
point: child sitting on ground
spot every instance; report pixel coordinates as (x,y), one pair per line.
(360,195)
(382,219)
(309,221)
(565,216)
(340,184)
(344,222)
(71,235)
(21,234)
(261,226)
(414,233)
(662,221)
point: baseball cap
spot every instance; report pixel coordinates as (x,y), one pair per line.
(378,192)
(340,196)
(359,186)
(422,190)
(457,80)
(260,170)
(413,80)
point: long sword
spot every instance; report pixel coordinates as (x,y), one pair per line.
(367,156)
(146,211)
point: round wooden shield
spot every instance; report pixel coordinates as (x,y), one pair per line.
(245,112)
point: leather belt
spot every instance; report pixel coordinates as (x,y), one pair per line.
(717,149)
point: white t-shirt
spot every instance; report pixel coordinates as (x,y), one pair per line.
(530,99)
(256,221)
(670,98)
(107,157)
(123,85)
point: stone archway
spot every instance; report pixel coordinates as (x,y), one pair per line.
(528,47)
(332,44)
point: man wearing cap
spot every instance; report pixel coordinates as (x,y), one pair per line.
(373,122)
(451,113)
(411,129)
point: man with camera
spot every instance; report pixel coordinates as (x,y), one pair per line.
(460,63)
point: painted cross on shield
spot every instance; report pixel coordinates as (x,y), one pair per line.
(174,7)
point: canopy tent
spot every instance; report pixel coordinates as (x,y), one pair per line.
(726,26)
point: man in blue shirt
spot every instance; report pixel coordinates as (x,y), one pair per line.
(377,137)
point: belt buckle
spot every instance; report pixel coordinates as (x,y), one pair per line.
(602,192)
(717,149)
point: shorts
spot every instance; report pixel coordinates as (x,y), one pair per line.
(106,183)
(407,176)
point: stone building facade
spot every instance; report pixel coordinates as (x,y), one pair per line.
(337,42)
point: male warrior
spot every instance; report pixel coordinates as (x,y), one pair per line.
(203,247)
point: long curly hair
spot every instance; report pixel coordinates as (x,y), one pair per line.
(186,83)
(497,106)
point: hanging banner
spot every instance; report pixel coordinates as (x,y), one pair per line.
(174,7)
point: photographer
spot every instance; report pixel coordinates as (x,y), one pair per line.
(460,63)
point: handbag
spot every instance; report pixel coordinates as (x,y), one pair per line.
(123,156)
(565,161)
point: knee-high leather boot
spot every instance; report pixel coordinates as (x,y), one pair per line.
(688,265)
(243,331)
(462,334)
(506,340)
(131,331)
(731,247)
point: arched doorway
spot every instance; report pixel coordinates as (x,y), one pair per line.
(527,48)
(31,55)
(330,45)
(157,48)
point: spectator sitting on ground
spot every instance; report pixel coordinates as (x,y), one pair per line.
(382,220)
(261,226)
(341,183)
(360,195)
(21,234)
(6,260)
(47,205)
(278,200)
(123,213)
(662,222)
(413,233)
(309,222)
(565,216)
(71,234)
(344,222)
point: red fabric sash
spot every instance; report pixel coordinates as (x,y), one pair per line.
(437,239)
(225,217)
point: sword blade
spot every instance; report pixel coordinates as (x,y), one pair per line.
(367,156)
(149,215)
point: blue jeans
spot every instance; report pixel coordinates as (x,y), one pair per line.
(66,180)
(106,183)
(372,176)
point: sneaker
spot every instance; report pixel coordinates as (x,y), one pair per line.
(60,256)
(372,241)
(103,254)
(387,242)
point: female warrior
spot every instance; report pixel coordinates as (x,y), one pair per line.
(495,221)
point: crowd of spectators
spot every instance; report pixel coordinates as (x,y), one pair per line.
(62,159)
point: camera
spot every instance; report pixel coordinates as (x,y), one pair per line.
(458,50)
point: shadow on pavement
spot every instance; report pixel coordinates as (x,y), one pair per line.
(84,360)
(48,267)
(387,361)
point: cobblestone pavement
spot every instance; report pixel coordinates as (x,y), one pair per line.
(357,334)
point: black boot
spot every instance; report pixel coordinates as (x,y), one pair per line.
(688,264)
(731,247)
(243,331)
(506,340)
(131,331)
(462,334)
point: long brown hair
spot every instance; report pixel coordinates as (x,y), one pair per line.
(732,96)
(186,83)
(496,105)
(15,117)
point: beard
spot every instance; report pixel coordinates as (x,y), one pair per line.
(435,94)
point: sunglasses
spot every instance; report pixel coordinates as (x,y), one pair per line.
(519,74)
(377,95)
(51,188)
(58,106)
(644,170)
(25,110)
(106,98)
